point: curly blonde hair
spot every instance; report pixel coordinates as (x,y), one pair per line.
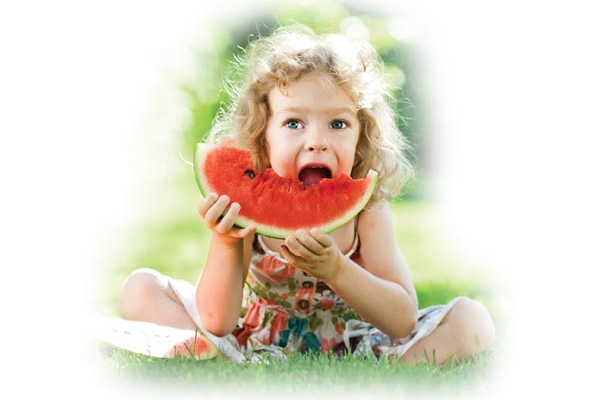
(292,53)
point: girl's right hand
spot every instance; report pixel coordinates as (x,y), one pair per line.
(219,219)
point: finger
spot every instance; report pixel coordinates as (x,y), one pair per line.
(298,249)
(215,212)
(205,204)
(285,252)
(322,238)
(247,231)
(309,242)
(228,219)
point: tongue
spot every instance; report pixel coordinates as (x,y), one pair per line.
(312,176)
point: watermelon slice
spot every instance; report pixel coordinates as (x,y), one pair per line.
(149,339)
(197,346)
(278,206)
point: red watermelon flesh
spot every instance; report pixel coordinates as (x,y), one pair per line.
(279,206)
(196,346)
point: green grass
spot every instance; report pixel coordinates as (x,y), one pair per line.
(315,373)
(175,243)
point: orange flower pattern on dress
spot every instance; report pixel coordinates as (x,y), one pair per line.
(328,344)
(326,304)
(304,299)
(287,307)
(274,269)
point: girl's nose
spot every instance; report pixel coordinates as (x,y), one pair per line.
(316,141)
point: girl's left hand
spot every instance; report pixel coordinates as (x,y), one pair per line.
(314,252)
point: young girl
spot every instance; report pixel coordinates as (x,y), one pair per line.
(311,107)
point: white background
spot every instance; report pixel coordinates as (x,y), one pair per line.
(514,91)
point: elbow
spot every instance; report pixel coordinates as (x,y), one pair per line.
(407,323)
(410,325)
(218,332)
(215,324)
(217,328)
(404,328)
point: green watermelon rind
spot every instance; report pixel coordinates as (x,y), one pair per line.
(200,151)
(274,232)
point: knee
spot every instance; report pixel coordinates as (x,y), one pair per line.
(474,327)
(138,291)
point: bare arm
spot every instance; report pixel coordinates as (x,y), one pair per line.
(219,290)
(382,292)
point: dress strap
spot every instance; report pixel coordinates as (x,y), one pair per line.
(355,243)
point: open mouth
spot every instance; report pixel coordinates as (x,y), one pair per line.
(312,175)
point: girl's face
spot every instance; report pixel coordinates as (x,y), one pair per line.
(312,131)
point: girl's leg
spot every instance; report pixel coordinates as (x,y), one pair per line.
(147,296)
(466,330)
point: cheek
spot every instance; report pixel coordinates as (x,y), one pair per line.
(350,147)
(274,157)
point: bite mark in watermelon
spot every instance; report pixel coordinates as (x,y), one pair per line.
(279,206)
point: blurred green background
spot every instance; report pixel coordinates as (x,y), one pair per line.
(172,239)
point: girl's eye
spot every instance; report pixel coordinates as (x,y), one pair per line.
(338,124)
(293,124)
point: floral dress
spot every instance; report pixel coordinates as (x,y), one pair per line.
(287,310)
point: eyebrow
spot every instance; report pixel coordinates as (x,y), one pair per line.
(337,110)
